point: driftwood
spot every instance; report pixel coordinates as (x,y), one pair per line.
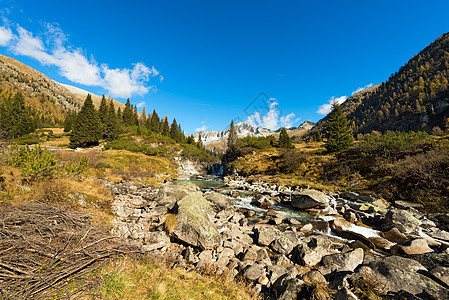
(44,248)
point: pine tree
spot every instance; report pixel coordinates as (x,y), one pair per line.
(174,131)
(119,115)
(103,109)
(112,127)
(200,142)
(69,119)
(19,117)
(232,136)
(86,130)
(190,140)
(154,124)
(181,136)
(165,127)
(338,133)
(143,119)
(128,115)
(136,115)
(284,139)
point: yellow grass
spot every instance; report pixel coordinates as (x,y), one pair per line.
(137,279)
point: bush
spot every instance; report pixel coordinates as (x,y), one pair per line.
(38,163)
(393,144)
(256,142)
(192,152)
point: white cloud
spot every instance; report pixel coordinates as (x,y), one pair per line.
(203,126)
(272,119)
(326,108)
(75,66)
(361,88)
(5,36)
(141,104)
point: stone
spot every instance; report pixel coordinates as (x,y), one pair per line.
(254,272)
(380,242)
(282,244)
(443,218)
(224,256)
(155,240)
(403,220)
(306,228)
(263,201)
(345,294)
(412,246)
(219,201)
(290,288)
(262,254)
(250,255)
(275,271)
(294,221)
(349,216)
(309,199)
(441,273)
(341,262)
(315,277)
(310,253)
(394,235)
(266,234)
(193,222)
(406,274)
(170,193)
(189,255)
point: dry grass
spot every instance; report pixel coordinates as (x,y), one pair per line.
(170,223)
(137,279)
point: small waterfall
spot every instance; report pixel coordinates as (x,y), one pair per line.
(216,169)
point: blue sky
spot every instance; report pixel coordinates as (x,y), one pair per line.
(206,62)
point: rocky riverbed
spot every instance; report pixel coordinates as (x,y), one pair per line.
(347,247)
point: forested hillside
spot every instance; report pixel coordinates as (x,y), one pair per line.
(414,98)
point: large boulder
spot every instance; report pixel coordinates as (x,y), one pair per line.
(266,234)
(412,246)
(170,193)
(312,250)
(403,220)
(193,222)
(309,199)
(399,273)
(340,262)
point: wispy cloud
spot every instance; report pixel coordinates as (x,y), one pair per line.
(5,36)
(203,126)
(141,104)
(362,88)
(272,119)
(326,107)
(51,49)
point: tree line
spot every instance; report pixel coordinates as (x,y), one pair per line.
(90,125)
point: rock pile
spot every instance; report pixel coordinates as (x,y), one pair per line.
(284,258)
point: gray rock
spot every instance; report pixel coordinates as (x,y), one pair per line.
(266,234)
(309,199)
(312,252)
(275,271)
(441,273)
(406,274)
(170,193)
(289,287)
(193,224)
(254,272)
(284,243)
(219,201)
(345,294)
(250,255)
(155,240)
(340,262)
(403,220)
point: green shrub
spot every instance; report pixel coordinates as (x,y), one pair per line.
(38,163)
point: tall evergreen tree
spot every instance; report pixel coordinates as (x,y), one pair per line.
(103,109)
(200,142)
(338,132)
(154,122)
(19,117)
(112,127)
(232,136)
(165,127)
(136,115)
(284,139)
(190,140)
(69,119)
(119,115)
(143,119)
(128,114)
(86,130)
(174,131)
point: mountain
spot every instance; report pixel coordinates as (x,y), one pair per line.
(216,140)
(50,98)
(414,98)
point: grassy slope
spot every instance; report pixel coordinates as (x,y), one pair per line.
(418,175)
